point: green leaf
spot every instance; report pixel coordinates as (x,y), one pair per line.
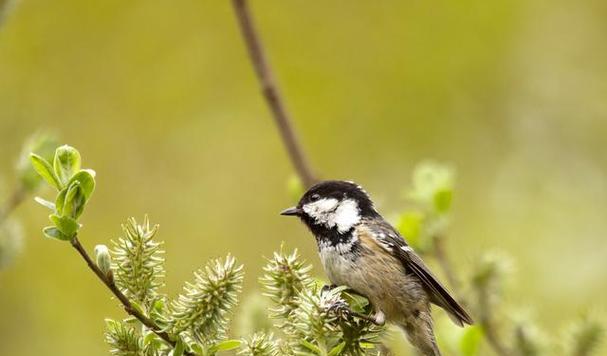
(356,302)
(310,346)
(179,349)
(74,200)
(197,349)
(60,201)
(86,178)
(66,162)
(45,203)
(158,305)
(149,338)
(442,200)
(226,345)
(54,233)
(45,171)
(367,345)
(68,226)
(295,188)
(337,349)
(470,340)
(411,226)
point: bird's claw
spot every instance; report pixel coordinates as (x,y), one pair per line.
(328,287)
(380,318)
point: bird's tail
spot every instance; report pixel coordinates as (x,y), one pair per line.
(421,335)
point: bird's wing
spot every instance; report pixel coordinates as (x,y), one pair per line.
(390,240)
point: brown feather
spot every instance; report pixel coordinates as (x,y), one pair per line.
(378,234)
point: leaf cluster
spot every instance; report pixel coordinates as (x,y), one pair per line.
(74,188)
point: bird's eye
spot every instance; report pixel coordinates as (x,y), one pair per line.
(315,197)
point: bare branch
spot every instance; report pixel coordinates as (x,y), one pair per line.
(486,320)
(486,316)
(128,306)
(442,257)
(271,93)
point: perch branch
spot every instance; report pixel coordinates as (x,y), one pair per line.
(126,303)
(271,93)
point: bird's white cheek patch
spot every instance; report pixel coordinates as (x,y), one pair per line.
(346,215)
(320,209)
(332,213)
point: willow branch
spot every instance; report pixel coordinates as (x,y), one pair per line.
(12,202)
(486,317)
(486,321)
(442,257)
(271,93)
(126,303)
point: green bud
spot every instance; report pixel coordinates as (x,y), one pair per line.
(86,179)
(104,260)
(66,162)
(74,200)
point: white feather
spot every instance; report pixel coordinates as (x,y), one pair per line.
(333,213)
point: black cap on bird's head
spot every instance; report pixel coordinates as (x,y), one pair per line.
(332,205)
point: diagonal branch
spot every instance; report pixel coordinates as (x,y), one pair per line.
(126,303)
(271,93)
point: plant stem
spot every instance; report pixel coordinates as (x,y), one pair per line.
(442,257)
(486,318)
(128,306)
(12,203)
(271,93)
(486,321)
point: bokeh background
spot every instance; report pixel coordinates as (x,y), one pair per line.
(161,100)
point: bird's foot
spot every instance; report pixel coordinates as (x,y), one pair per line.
(379,317)
(328,287)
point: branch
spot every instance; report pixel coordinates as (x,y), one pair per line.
(442,257)
(271,93)
(486,320)
(486,316)
(128,306)
(12,202)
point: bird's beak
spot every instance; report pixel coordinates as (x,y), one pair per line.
(294,211)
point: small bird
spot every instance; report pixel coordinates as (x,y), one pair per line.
(362,251)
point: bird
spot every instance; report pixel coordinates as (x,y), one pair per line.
(359,249)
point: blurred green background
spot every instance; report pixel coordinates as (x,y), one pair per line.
(161,100)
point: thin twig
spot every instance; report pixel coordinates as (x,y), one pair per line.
(440,253)
(486,316)
(12,202)
(271,93)
(486,321)
(128,306)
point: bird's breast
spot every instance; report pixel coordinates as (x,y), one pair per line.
(339,261)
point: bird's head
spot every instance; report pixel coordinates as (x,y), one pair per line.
(333,205)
